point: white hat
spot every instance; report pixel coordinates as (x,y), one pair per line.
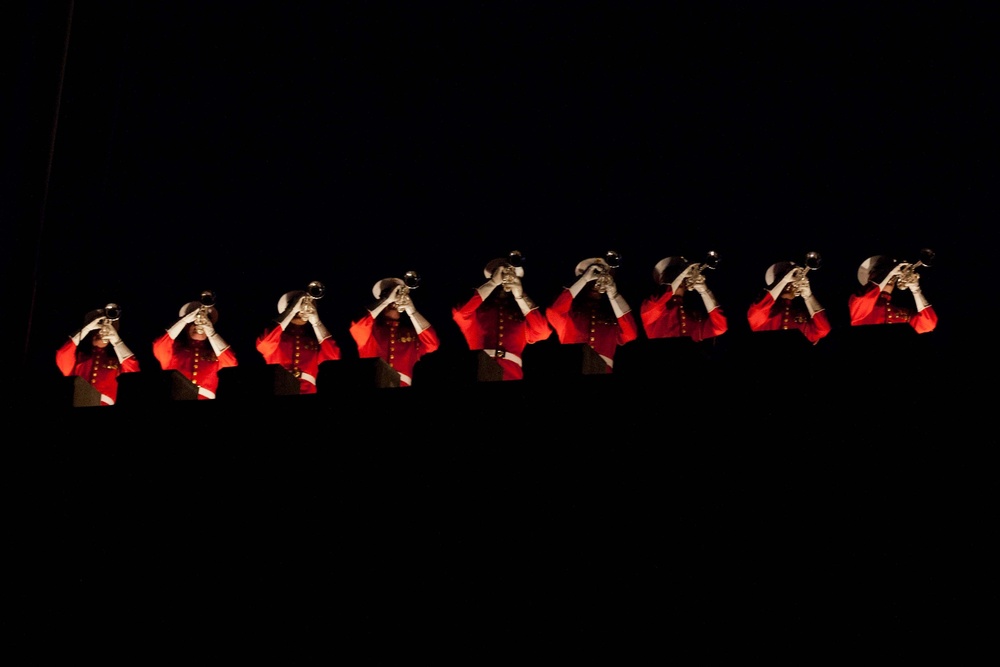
(875,268)
(586,264)
(777,271)
(385,285)
(288,299)
(100,312)
(213,313)
(668,268)
(492,265)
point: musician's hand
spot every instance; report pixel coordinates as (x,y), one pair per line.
(113,337)
(497,278)
(611,288)
(805,289)
(516,289)
(912,283)
(393,295)
(93,324)
(701,287)
(591,273)
(189,318)
(313,318)
(208,329)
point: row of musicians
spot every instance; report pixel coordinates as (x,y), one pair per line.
(499,319)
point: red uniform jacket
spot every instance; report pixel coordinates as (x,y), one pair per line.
(195,360)
(297,351)
(589,326)
(766,315)
(395,341)
(500,326)
(101,367)
(875,307)
(665,316)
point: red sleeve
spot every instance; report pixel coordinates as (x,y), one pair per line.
(328,350)
(760,312)
(66,357)
(558,314)
(817,327)
(429,340)
(268,344)
(862,306)
(227,358)
(925,320)
(465,318)
(163,350)
(627,329)
(536,326)
(653,308)
(130,365)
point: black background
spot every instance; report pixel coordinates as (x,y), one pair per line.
(168,148)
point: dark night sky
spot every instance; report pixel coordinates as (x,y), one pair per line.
(250,149)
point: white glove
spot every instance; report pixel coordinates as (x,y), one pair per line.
(121,350)
(318,328)
(587,276)
(918,296)
(782,284)
(707,297)
(494,282)
(78,337)
(805,289)
(215,340)
(891,278)
(290,313)
(420,323)
(178,327)
(611,289)
(680,279)
(618,303)
(113,337)
(386,299)
(208,329)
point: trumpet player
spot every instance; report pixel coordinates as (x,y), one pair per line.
(97,353)
(500,318)
(384,332)
(592,311)
(788,302)
(297,339)
(670,313)
(877,299)
(194,348)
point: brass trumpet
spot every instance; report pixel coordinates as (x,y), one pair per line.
(694,276)
(411,281)
(908,272)
(111,314)
(813,261)
(514,261)
(604,278)
(201,318)
(314,291)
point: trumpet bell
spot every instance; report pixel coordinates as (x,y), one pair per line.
(711,260)
(613,259)
(207,298)
(813,260)
(411,279)
(316,289)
